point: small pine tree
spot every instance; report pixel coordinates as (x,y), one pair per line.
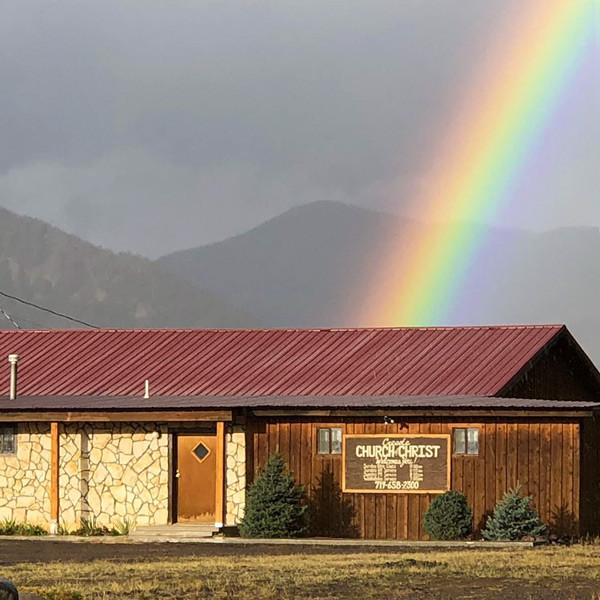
(449,517)
(513,519)
(274,506)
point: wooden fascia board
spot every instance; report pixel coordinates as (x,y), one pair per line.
(115,416)
(456,413)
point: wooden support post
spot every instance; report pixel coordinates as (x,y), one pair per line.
(172,516)
(220,479)
(54,477)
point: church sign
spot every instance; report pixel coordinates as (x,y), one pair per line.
(396,464)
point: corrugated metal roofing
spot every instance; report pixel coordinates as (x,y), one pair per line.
(476,361)
(128,403)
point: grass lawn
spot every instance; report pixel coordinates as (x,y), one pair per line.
(256,573)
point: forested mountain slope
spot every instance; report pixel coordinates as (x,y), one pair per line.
(44,265)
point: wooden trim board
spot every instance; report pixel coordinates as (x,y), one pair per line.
(115,417)
(458,415)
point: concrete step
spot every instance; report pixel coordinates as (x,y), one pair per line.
(175,531)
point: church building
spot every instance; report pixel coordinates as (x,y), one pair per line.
(172,426)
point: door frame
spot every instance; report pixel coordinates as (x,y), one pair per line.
(219,467)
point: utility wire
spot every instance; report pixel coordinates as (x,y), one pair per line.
(20,319)
(48,310)
(9,318)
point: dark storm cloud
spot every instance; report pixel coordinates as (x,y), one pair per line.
(162,124)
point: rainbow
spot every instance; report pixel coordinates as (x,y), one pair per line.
(494,131)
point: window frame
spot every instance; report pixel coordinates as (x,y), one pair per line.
(466,453)
(15,435)
(330,441)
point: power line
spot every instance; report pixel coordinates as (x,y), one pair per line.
(48,310)
(9,318)
(38,325)
(20,319)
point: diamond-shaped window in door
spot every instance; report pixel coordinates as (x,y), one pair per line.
(201,452)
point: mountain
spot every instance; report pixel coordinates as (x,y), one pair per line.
(295,270)
(313,267)
(46,266)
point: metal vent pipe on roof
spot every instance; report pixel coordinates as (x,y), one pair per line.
(13,359)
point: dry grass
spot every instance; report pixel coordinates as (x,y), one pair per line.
(564,572)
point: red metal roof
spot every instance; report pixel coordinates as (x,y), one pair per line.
(477,361)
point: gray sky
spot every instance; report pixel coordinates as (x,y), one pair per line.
(163,124)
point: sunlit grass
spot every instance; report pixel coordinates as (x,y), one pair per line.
(390,575)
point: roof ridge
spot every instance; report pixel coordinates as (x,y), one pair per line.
(280,329)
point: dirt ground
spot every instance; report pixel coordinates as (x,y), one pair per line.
(13,552)
(216,572)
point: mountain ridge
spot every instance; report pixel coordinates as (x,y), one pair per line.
(312,267)
(44,265)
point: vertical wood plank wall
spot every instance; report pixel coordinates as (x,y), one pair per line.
(590,476)
(559,375)
(543,456)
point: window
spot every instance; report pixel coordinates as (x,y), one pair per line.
(466,441)
(201,451)
(8,439)
(329,440)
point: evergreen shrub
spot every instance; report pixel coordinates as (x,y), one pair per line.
(449,517)
(274,507)
(514,519)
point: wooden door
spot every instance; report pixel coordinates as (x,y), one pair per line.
(196,477)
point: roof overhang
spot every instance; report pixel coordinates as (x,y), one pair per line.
(458,414)
(98,416)
(214,408)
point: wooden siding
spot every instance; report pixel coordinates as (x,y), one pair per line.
(590,476)
(543,456)
(560,374)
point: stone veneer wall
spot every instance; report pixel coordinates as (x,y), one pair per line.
(108,472)
(113,472)
(25,476)
(235,455)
